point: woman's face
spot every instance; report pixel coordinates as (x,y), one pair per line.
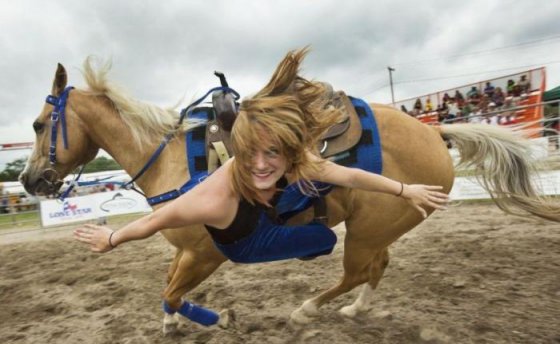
(267,166)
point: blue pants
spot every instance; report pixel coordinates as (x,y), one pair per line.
(270,242)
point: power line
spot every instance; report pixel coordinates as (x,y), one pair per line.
(478,52)
(471,74)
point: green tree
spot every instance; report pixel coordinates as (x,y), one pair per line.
(102,164)
(12,170)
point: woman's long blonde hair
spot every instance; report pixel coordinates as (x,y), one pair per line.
(293,115)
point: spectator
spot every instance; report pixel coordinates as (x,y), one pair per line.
(473,95)
(524,85)
(417,107)
(498,97)
(483,103)
(459,98)
(442,112)
(452,110)
(429,106)
(446,98)
(489,89)
(508,114)
(494,117)
(510,86)
(466,110)
(475,116)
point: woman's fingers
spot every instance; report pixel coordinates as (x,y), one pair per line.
(433,187)
(421,210)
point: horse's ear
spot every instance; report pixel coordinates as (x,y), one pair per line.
(60,80)
(285,75)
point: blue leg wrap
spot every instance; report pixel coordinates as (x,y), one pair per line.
(167,309)
(194,313)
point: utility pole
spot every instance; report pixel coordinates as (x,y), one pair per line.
(391,70)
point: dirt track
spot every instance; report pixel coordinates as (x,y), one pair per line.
(468,275)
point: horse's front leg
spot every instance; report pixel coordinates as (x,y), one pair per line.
(190,269)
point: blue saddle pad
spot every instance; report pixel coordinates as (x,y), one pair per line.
(365,155)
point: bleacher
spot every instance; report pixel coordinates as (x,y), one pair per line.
(524,101)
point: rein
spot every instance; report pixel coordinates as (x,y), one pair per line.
(58,115)
(168,137)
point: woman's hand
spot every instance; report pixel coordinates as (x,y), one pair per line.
(97,237)
(420,196)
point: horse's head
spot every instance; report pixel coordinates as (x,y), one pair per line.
(61,143)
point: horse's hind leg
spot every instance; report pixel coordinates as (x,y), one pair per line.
(356,272)
(362,303)
(190,270)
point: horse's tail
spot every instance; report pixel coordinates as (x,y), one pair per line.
(504,164)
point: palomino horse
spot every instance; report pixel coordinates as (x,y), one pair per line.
(104,117)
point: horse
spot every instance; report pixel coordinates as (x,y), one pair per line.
(104,117)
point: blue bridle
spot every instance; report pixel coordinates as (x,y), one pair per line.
(58,115)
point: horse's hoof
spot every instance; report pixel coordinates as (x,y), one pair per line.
(298,317)
(348,311)
(227,318)
(169,328)
(170,323)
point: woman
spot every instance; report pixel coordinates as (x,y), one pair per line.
(273,140)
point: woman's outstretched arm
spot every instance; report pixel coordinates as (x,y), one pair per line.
(201,205)
(417,195)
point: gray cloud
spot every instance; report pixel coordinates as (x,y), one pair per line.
(164,50)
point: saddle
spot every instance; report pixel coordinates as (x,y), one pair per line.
(338,138)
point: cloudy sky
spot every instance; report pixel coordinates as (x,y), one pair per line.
(163,51)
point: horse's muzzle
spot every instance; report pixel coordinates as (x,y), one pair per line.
(47,184)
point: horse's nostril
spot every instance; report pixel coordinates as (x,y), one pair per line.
(50,175)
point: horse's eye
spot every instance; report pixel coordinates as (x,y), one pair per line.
(37,126)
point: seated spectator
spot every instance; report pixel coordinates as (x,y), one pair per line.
(483,103)
(493,115)
(403,109)
(498,97)
(524,85)
(442,112)
(466,110)
(473,95)
(452,110)
(459,98)
(510,86)
(508,112)
(489,89)
(475,116)
(429,106)
(417,107)
(446,98)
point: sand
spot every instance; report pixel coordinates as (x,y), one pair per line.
(468,275)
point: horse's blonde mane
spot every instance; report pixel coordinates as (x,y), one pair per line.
(148,123)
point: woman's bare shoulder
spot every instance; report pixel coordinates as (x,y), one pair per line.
(219,183)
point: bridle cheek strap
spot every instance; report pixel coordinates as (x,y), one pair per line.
(58,115)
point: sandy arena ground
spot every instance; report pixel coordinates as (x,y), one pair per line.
(467,275)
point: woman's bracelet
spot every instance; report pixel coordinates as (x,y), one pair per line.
(110,237)
(398,195)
